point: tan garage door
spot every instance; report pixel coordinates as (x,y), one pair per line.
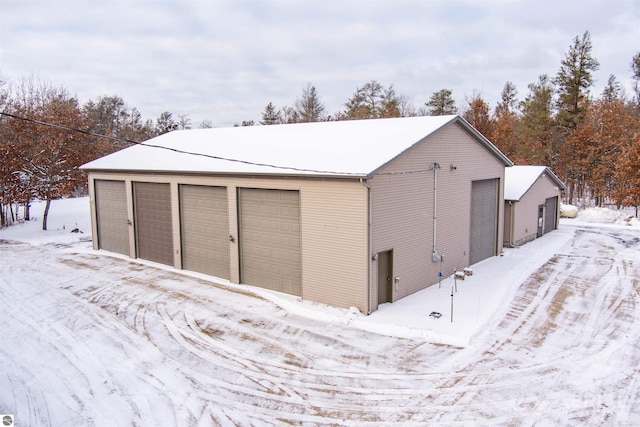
(484,220)
(204,219)
(270,239)
(111,215)
(154,239)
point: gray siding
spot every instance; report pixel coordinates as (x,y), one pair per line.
(402,207)
(525,218)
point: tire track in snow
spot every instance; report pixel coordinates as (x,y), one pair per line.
(575,293)
(194,355)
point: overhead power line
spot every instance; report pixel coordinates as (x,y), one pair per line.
(175,150)
(191,153)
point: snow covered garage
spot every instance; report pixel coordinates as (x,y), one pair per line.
(532,203)
(349,213)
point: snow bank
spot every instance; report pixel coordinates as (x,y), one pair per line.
(608,216)
(68,221)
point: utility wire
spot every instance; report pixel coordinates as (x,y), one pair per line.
(86,132)
(191,153)
(175,150)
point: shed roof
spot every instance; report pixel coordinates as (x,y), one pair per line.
(519,179)
(341,148)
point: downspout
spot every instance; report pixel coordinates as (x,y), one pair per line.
(434,254)
(369,259)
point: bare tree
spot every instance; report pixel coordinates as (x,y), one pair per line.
(46,157)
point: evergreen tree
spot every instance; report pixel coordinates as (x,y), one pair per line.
(244,123)
(373,101)
(165,123)
(441,103)
(612,91)
(536,123)
(308,107)
(270,115)
(574,80)
(390,103)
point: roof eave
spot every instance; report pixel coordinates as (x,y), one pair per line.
(238,174)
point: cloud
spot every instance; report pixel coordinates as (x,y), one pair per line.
(225,60)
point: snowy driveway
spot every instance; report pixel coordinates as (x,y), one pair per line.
(92,340)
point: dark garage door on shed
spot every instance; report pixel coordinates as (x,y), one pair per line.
(270,239)
(154,237)
(204,219)
(550,214)
(111,215)
(484,220)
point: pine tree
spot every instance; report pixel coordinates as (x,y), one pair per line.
(441,103)
(390,104)
(165,123)
(308,107)
(270,115)
(574,80)
(613,90)
(373,101)
(536,124)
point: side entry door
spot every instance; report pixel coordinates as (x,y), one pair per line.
(385,275)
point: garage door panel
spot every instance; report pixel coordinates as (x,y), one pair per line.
(111,216)
(550,214)
(154,234)
(269,242)
(205,230)
(484,220)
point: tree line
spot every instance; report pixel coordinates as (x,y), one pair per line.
(591,142)
(41,162)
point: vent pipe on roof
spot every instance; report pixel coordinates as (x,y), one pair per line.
(434,254)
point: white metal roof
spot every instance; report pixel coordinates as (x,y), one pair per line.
(341,148)
(519,179)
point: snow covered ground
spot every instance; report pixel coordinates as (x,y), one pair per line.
(545,334)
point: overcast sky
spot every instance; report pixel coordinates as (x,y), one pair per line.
(225,60)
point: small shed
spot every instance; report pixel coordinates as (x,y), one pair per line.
(532,197)
(347,213)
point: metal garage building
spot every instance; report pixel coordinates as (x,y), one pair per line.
(350,213)
(532,203)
